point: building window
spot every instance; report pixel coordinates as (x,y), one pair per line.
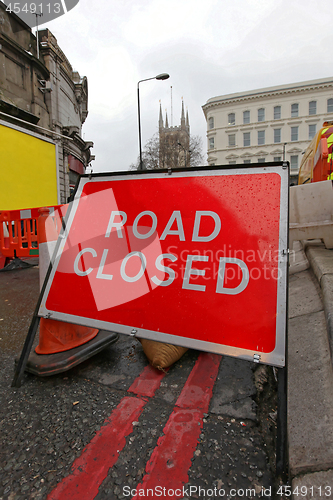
(211,123)
(277,158)
(277,112)
(247,161)
(232,140)
(246,117)
(211,143)
(329,105)
(294,162)
(261,115)
(232,162)
(231,119)
(246,139)
(294,110)
(277,135)
(261,137)
(312,107)
(261,160)
(312,131)
(294,133)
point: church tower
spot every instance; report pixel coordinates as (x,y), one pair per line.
(174,142)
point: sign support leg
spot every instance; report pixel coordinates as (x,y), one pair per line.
(282,437)
(22,363)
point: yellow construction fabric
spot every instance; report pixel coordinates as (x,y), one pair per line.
(306,168)
(28,170)
(305,174)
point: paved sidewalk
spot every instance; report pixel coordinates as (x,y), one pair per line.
(310,375)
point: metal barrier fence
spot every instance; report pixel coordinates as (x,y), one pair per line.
(19,233)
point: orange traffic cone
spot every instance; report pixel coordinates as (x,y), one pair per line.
(55,336)
(61,345)
(58,336)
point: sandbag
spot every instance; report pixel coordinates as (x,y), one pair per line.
(161,355)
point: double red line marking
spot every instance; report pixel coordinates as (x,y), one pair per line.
(171,459)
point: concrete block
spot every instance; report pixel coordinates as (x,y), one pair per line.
(310,395)
(309,219)
(321,260)
(312,486)
(303,295)
(304,206)
(312,230)
(312,243)
(297,259)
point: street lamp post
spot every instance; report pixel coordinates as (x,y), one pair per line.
(162,76)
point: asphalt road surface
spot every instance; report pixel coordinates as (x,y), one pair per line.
(113,427)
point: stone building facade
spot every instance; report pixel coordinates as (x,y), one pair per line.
(40,92)
(269,124)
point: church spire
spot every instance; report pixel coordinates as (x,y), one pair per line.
(182,119)
(166,119)
(187,123)
(160,121)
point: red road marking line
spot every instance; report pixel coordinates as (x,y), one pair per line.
(91,468)
(167,469)
(197,391)
(147,382)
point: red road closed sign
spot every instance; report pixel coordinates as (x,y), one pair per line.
(195,258)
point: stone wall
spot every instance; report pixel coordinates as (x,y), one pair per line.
(43,94)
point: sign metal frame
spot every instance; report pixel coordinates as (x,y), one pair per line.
(274,358)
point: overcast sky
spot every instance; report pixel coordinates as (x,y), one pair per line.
(209,48)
